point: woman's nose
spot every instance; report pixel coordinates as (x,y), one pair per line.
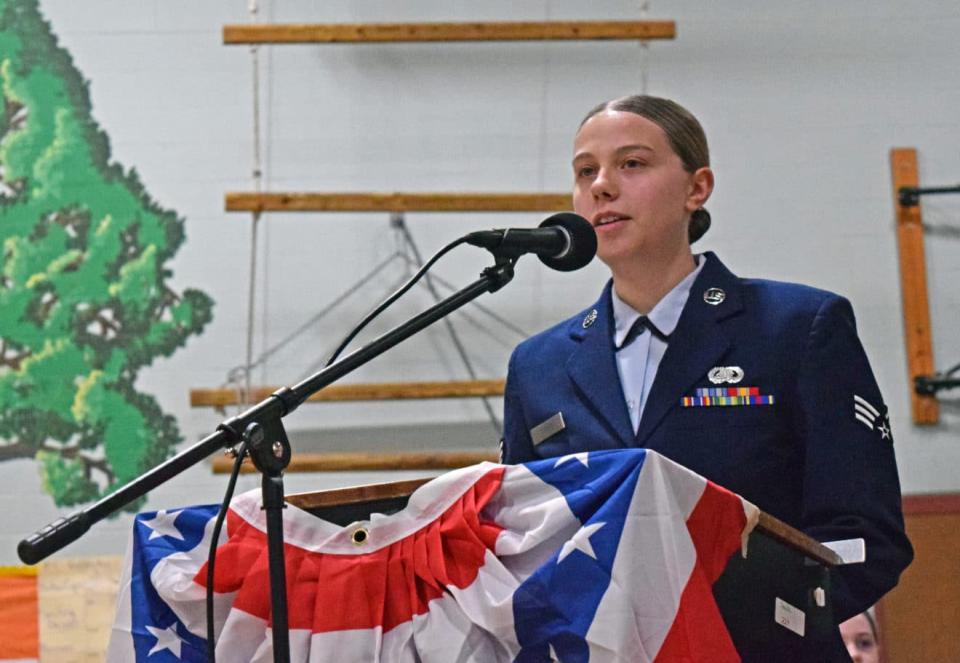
(604,185)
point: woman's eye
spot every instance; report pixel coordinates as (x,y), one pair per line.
(865,643)
(633,163)
(586,171)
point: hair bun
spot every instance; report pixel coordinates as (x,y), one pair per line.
(699,224)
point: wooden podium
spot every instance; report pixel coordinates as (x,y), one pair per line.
(785,570)
(779,591)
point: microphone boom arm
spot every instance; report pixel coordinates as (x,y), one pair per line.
(58,534)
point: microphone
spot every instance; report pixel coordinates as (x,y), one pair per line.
(564,241)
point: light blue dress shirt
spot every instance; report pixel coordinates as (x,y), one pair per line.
(638,362)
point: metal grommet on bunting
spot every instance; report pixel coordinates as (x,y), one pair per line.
(714,296)
(360,536)
(590,319)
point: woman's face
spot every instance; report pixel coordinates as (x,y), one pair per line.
(859,640)
(633,188)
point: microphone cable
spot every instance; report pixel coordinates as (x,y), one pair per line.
(399,292)
(581,247)
(241,451)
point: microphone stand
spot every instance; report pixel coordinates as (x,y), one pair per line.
(269,447)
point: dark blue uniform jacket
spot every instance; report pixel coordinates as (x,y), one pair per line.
(813,458)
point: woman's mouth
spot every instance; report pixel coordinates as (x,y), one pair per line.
(608,218)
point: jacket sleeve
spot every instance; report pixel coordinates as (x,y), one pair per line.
(516,445)
(851,486)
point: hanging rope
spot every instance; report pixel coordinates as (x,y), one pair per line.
(644,50)
(257,177)
(544,97)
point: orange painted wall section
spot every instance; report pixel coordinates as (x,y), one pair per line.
(19,637)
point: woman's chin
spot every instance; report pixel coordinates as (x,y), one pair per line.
(626,260)
(614,256)
(620,263)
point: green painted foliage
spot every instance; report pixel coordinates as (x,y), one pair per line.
(84,303)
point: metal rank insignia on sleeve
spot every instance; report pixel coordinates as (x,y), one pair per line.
(726,397)
(871,417)
(883,428)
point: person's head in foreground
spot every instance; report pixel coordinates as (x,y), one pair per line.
(860,637)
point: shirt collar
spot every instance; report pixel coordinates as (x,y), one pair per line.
(665,315)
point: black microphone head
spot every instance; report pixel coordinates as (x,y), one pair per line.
(582,242)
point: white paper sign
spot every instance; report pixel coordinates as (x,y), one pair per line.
(789,617)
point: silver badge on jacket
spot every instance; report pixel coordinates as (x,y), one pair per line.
(725,374)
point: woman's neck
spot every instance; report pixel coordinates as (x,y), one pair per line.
(643,283)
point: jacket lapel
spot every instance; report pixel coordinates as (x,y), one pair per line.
(695,346)
(593,369)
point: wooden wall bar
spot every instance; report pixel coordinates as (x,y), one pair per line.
(397,202)
(303,33)
(375,391)
(913,285)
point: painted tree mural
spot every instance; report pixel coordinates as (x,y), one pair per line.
(84,300)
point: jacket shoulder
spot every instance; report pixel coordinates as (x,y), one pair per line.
(791,303)
(787,294)
(555,339)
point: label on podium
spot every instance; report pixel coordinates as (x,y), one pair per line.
(789,617)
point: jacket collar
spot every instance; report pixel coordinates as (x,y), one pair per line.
(593,367)
(697,342)
(664,316)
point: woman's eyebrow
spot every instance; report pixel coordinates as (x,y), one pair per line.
(620,150)
(631,148)
(580,157)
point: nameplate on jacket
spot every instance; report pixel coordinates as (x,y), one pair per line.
(548,428)
(726,397)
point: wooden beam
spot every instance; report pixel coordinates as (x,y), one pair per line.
(376,391)
(913,285)
(320,499)
(365,462)
(797,540)
(397,202)
(306,33)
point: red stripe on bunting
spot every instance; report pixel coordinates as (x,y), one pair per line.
(387,587)
(698,632)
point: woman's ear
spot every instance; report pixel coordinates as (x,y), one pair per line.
(701,186)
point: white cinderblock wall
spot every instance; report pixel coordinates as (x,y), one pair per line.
(801,103)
